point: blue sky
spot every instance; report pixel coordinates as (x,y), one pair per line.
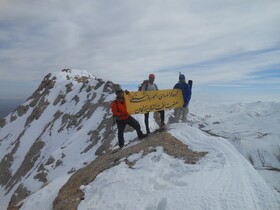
(230,49)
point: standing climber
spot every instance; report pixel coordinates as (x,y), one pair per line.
(122,118)
(187,93)
(150,85)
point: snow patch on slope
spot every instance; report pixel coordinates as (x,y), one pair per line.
(43,198)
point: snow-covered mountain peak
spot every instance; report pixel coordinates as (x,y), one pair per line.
(68,114)
(74,75)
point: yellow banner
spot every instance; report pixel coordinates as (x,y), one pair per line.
(141,102)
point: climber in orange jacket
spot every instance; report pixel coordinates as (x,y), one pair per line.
(122,118)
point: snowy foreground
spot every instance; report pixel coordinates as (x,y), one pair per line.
(223,179)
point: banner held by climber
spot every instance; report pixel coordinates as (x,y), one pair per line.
(141,102)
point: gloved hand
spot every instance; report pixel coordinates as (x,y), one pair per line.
(190,82)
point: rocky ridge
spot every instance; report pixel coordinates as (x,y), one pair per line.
(37,137)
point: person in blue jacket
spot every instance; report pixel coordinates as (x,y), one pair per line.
(187,93)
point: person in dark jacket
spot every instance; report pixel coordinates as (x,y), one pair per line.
(187,93)
(123,118)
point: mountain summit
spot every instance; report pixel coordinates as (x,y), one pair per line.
(65,124)
(57,152)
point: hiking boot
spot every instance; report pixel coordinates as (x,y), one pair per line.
(121,145)
(143,136)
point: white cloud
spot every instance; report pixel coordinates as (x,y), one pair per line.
(134,38)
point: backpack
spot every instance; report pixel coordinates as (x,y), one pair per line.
(144,84)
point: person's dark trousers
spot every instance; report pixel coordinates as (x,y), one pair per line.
(121,126)
(147,119)
(161,116)
(147,122)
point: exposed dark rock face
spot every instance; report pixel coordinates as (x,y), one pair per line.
(37,111)
(20,194)
(44,88)
(28,163)
(2,123)
(6,162)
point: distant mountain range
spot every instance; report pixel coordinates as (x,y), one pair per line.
(253,128)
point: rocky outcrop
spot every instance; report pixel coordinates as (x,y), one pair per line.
(2,123)
(44,88)
(21,110)
(37,111)
(17,198)
(6,162)
(70,194)
(27,164)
